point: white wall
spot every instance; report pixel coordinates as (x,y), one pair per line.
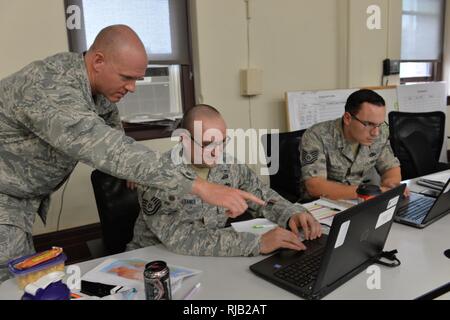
(368,48)
(30,30)
(295,44)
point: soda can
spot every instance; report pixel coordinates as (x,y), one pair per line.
(157,281)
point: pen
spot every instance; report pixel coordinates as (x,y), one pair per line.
(192,291)
(261,226)
(334,209)
(322,206)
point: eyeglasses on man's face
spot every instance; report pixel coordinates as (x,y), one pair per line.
(369,125)
(212,145)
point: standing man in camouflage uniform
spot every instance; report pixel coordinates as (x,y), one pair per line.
(338,155)
(192,227)
(61,110)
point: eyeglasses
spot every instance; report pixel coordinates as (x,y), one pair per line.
(369,125)
(212,145)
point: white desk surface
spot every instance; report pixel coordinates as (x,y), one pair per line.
(424,268)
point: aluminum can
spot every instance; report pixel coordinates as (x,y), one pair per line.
(157,281)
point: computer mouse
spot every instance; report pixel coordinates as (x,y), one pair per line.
(447,253)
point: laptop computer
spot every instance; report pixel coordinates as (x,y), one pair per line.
(419,210)
(356,239)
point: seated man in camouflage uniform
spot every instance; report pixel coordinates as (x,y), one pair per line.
(62,110)
(193,227)
(338,155)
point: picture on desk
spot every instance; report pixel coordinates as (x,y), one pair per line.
(133,269)
(129,269)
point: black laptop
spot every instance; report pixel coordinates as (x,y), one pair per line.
(420,210)
(356,239)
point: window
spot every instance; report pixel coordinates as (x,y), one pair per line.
(167,90)
(422,40)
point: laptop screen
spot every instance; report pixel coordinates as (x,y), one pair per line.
(358,235)
(441,205)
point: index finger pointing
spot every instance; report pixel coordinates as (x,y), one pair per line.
(251,197)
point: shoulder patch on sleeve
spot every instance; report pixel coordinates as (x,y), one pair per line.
(309,157)
(152,206)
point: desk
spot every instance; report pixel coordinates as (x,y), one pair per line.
(424,268)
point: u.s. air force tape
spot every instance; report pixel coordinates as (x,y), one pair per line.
(150,207)
(309,157)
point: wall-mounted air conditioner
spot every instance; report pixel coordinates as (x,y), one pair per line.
(157,96)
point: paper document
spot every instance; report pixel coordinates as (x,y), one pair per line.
(307,108)
(321,209)
(256,226)
(325,209)
(130,273)
(440,176)
(424,97)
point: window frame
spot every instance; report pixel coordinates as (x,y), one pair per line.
(436,73)
(146,131)
(437,65)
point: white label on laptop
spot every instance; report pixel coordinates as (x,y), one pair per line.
(385,217)
(447,189)
(342,234)
(393,202)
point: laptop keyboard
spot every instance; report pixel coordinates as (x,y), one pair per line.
(303,271)
(417,209)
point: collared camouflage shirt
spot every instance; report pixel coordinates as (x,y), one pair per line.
(190,226)
(49,121)
(324,152)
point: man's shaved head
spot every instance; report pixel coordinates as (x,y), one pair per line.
(200,112)
(206,128)
(115,61)
(116,39)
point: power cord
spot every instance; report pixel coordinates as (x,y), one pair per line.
(62,203)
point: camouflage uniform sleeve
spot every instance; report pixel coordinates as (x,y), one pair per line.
(386,160)
(278,209)
(183,233)
(112,118)
(312,156)
(65,122)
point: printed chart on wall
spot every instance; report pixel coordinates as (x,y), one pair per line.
(306,108)
(426,97)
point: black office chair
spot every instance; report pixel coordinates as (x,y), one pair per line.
(416,139)
(287,180)
(118,208)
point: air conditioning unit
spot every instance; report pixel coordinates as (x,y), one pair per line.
(157,96)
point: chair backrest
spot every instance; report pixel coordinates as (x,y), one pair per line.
(419,150)
(287,180)
(402,125)
(118,208)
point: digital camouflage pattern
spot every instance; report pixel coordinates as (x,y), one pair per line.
(325,153)
(49,121)
(14,242)
(190,226)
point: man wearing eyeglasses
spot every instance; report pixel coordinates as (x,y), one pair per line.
(191,226)
(338,155)
(62,110)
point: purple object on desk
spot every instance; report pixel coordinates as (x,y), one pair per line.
(54,291)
